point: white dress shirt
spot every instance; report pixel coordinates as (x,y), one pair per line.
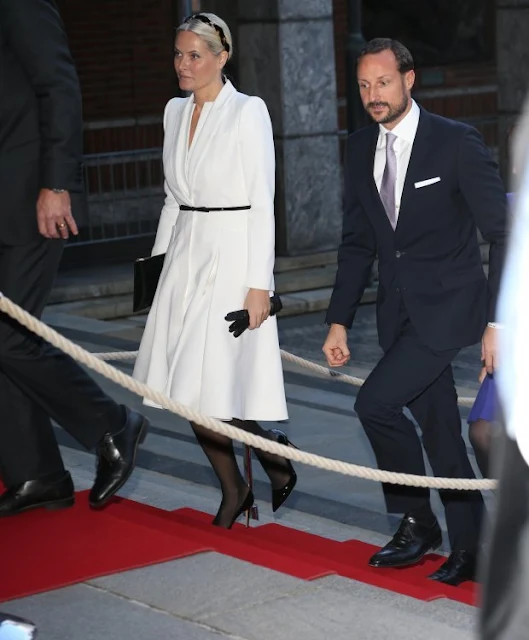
(405,132)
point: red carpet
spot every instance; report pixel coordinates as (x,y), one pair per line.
(348,559)
(66,547)
(60,548)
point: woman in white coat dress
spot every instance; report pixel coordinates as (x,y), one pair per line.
(217,232)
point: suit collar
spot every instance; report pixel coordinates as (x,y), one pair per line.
(421,151)
(421,148)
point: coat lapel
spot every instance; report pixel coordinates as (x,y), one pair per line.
(419,157)
(374,195)
(204,135)
(179,156)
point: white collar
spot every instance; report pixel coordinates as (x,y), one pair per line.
(407,127)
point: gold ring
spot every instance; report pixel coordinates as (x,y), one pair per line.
(62,225)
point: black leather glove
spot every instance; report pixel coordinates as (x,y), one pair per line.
(240,320)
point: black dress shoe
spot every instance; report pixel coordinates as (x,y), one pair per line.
(50,492)
(409,545)
(459,567)
(116,457)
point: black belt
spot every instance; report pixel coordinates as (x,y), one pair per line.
(185,207)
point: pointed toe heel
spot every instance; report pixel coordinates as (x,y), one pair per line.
(279,496)
(245,506)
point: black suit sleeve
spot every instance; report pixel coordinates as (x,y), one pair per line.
(484,193)
(356,253)
(34,32)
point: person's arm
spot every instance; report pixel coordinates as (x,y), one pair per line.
(485,195)
(34,32)
(256,142)
(356,253)
(483,190)
(170,209)
(356,256)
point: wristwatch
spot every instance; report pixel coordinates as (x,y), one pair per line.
(59,190)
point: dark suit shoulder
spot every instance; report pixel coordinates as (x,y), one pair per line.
(446,126)
(363,136)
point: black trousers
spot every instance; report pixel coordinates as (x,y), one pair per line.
(38,381)
(505,571)
(412,375)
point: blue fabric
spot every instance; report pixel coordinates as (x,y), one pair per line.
(484,407)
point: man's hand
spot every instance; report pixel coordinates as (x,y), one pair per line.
(489,349)
(54,215)
(258,305)
(335,347)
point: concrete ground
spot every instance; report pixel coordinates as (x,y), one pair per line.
(210,595)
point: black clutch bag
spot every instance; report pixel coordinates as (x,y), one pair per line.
(146,275)
(240,320)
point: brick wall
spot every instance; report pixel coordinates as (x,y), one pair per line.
(123,53)
(122,49)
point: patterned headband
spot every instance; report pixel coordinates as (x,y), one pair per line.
(206,20)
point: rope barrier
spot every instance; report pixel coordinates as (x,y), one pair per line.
(97,363)
(289,357)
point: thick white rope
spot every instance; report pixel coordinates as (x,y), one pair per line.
(289,357)
(99,366)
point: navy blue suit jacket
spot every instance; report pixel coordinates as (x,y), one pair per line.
(432,260)
(41,124)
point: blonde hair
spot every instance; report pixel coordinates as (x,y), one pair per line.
(215,32)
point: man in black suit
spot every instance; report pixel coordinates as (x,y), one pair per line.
(417,188)
(40,166)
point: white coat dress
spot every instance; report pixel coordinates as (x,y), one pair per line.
(212,259)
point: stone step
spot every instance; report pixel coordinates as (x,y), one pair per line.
(305,279)
(304,262)
(292,274)
(304,283)
(120,306)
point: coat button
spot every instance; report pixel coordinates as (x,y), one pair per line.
(398,254)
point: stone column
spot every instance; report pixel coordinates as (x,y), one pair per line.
(512,36)
(286,56)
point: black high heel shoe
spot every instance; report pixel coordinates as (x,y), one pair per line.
(245,506)
(280,495)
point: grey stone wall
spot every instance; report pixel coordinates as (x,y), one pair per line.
(286,56)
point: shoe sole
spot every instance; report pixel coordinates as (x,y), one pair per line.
(399,565)
(52,505)
(453,583)
(141,439)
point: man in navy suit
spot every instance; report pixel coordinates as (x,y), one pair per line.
(417,188)
(41,131)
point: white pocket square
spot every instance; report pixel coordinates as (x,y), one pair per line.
(427,183)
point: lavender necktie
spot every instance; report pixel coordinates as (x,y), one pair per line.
(389,177)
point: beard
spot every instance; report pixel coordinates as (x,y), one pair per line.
(394,111)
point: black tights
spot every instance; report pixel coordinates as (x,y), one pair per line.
(480,436)
(220,453)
